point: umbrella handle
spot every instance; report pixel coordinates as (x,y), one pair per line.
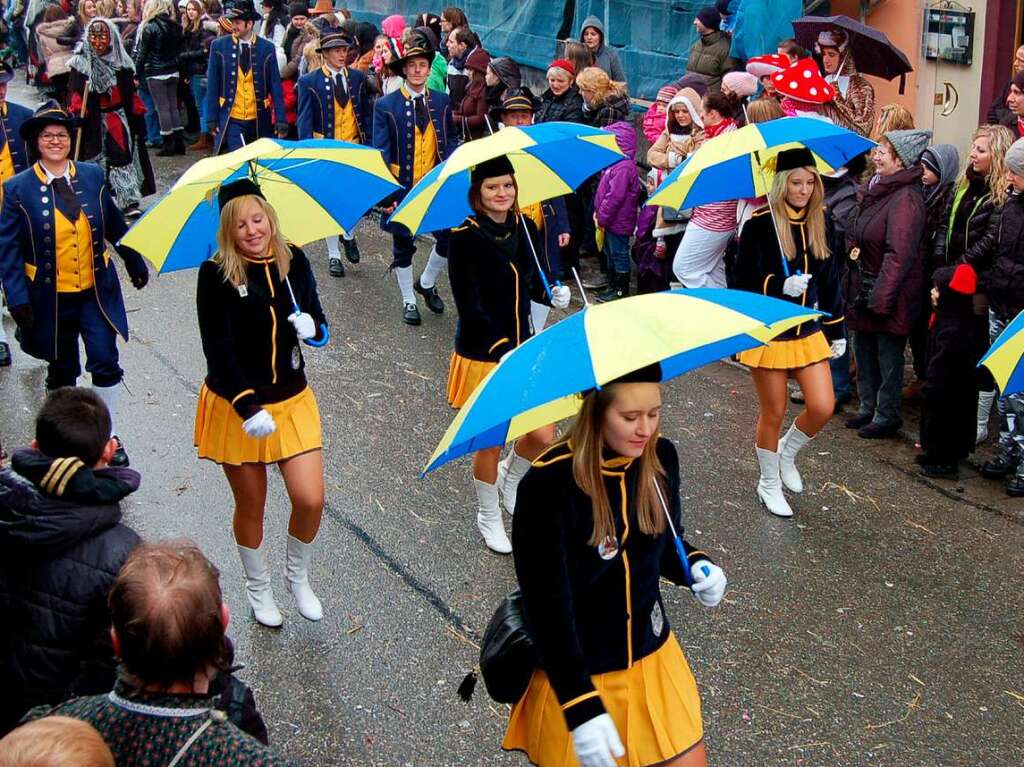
(536,259)
(323,341)
(775,225)
(680,549)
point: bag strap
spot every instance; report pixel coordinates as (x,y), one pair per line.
(215,716)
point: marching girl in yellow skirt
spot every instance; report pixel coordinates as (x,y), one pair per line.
(255,407)
(591,544)
(493,277)
(807,273)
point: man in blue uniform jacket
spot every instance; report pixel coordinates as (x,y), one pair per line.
(54,263)
(334,103)
(413,129)
(12,160)
(244,100)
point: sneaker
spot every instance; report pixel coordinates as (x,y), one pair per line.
(879,431)
(1015,486)
(430,295)
(351,251)
(596,281)
(335,268)
(120,457)
(1004,463)
(859,421)
(411,314)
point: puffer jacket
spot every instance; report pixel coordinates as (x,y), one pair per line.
(567,108)
(965,223)
(612,110)
(61,545)
(52,51)
(1005,278)
(159,45)
(617,199)
(709,56)
(887,226)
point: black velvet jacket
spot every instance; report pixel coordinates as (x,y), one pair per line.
(253,356)
(591,610)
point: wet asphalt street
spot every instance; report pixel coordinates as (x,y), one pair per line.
(882,625)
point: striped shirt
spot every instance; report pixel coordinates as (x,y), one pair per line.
(716,216)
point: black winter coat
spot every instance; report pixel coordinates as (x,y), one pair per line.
(195,54)
(591,610)
(886,227)
(61,545)
(964,225)
(949,416)
(613,110)
(1004,279)
(158,49)
(492,292)
(565,108)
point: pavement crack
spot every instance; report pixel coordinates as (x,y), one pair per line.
(166,362)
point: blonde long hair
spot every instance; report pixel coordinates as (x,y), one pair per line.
(231,262)
(154,8)
(891,117)
(999,140)
(596,80)
(815,220)
(587,439)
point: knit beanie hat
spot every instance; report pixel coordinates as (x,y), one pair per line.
(723,7)
(743,84)
(709,17)
(563,64)
(909,145)
(666,93)
(1015,157)
(298,9)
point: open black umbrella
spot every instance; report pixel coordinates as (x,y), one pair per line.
(872,51)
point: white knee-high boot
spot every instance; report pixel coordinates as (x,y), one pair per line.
(985,400)
(789,446)
(299,555)
(510,471)
(488,518)
(435,265)
(769,487)
(111,396)
(257,586)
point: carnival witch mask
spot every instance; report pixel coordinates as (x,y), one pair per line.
(99,39)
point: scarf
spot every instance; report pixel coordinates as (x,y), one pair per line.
(710,131)
(101,71)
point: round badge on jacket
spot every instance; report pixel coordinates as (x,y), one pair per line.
(608,548)
(296,357)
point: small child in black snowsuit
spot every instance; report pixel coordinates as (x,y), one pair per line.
(948,421)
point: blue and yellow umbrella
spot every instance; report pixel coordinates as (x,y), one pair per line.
(542,381)
(732,166)
(318,187)
(550,160)
(1004,359)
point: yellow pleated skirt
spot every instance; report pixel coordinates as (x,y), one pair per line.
(654,704)
(220,438)
(464,375)
(788,355)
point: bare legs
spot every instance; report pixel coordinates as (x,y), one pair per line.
(304,480)
(815,381)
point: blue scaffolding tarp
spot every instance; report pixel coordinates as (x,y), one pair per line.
(652,37)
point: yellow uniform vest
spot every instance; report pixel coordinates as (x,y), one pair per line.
(244,107)
(74,253)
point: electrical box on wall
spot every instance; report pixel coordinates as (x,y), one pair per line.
(948,34)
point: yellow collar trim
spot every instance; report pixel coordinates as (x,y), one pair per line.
(41,171)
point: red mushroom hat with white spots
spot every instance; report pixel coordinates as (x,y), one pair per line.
(803,82)
(768,64)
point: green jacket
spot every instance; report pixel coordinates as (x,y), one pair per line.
(710,57)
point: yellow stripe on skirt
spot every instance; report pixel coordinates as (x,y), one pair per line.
(220,437)
(788,355)
(464,375)
(654,704)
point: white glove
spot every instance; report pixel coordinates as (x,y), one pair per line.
(597,742)
(838,348)
(710,588)
(260,425)
(560,296)
(303,324)
(674,158)
(796,285)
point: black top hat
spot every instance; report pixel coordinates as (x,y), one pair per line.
(800,157)
(241,10)
(419,47)
(647,374)
(6,73)
(334,40)
(48,113)
(241,188)
(496,166)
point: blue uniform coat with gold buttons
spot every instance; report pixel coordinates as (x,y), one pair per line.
(28,251)
(11,117)
(394,133)
(317,104)
(222,78)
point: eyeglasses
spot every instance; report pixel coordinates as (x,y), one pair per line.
(54,138)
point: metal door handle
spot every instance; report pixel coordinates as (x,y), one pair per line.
(950,104)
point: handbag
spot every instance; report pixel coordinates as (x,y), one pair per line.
(507,655)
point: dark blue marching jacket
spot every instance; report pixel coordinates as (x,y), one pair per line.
(556,222)
(394,131)
(28,257)
(316,104)
(11,118)
(222,76)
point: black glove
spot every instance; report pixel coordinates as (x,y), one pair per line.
(141,279)
(282,130)
(23,316)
